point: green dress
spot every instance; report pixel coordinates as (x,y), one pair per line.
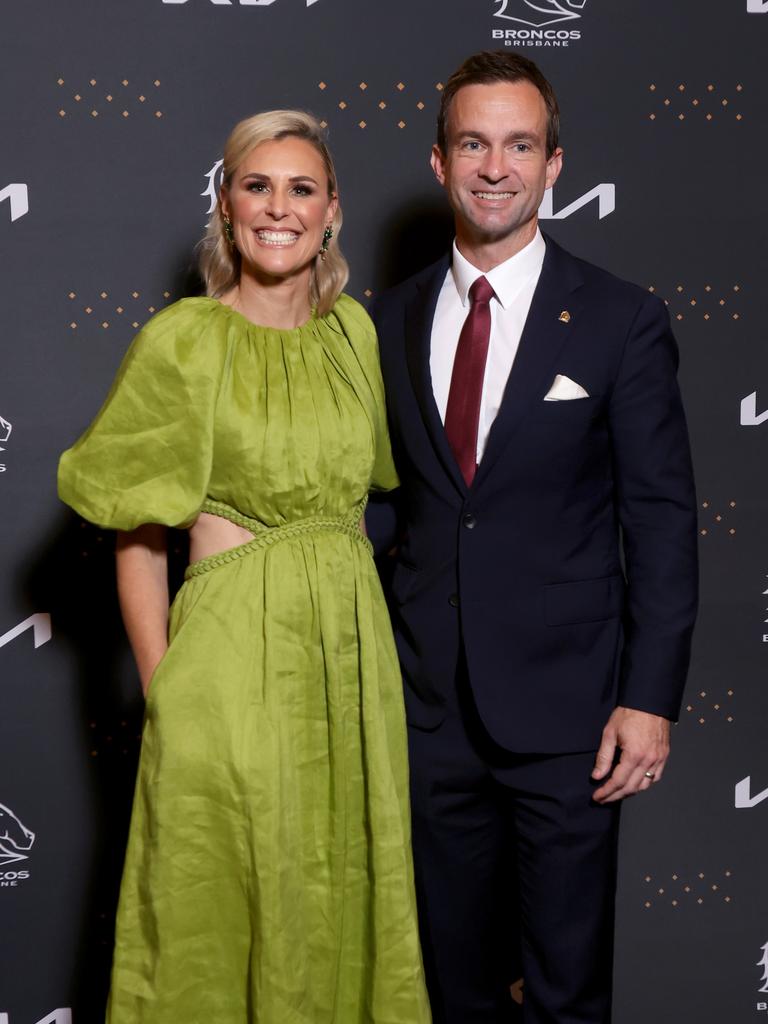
(268,877)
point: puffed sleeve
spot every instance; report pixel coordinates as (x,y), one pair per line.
(146,458)
(359,329)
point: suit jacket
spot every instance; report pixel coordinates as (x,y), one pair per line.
(566,574)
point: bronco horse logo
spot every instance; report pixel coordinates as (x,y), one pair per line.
(538,13)
(214,178)
(14,837)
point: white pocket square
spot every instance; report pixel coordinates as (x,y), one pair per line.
(563,389)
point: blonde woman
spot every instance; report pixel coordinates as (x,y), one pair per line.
(268,874)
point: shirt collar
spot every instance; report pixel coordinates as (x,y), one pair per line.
(507,278)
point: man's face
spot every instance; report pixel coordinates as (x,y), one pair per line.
(496,169)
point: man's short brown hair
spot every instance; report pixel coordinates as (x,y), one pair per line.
(500,66)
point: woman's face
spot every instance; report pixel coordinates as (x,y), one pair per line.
(279,207)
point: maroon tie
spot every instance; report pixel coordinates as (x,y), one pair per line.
(462,414)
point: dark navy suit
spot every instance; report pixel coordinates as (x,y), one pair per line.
(526,607)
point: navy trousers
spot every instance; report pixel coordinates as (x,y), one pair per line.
(515,874)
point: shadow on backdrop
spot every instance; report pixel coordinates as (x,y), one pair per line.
(418,233)
(185,276)
(73,576)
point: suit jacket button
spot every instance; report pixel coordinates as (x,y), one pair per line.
(453,600)
(469,521)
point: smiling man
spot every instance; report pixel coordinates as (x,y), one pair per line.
(544,591)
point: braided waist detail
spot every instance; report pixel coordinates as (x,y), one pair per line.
(266,536)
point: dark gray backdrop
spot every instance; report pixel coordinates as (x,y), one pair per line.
(113,113)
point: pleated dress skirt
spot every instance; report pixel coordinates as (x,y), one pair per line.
(268,875)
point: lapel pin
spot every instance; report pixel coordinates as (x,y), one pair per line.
(565,317)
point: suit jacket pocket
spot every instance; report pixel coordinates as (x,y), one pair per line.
(557,411)
(583,601)
(408,581)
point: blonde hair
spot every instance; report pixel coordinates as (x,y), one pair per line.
(220,261)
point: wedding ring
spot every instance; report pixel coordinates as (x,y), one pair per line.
(649,775)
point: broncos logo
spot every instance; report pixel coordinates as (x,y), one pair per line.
(213,177)
(14,837)
(538,13)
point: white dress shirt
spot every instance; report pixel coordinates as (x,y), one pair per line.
(514,283)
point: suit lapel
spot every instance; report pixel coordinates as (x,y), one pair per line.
(419,315)
(543,337)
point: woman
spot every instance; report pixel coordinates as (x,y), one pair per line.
(268,875)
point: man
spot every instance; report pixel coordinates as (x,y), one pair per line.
(544,591)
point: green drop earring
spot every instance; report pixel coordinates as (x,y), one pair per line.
(327,236)
(228,233)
